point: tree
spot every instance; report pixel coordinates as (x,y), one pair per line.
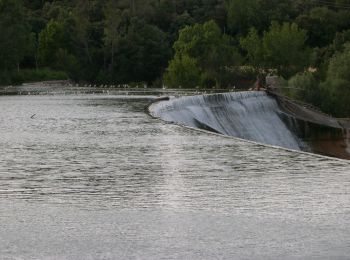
(253,46)
(279,11)
(183,72)
(15,34)
(51,39)
(304,86)
(211,50)
(142,53)
(207,10)
(338,83)
(111,29)
(82,26)
(321,24)
(65,61)
(282,47)
(242,15)
(57,49)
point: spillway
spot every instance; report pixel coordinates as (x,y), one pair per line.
(253,116)
(256,116)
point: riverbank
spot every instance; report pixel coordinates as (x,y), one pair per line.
(68,86)
(22,76)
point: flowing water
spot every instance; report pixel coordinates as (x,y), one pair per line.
(256,117)
(95,177)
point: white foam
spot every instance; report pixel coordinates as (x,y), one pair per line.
(251,115)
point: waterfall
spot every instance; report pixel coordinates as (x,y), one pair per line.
(253,116)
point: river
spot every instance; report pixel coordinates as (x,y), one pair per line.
(93,176)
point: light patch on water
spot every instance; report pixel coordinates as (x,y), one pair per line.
(95,177)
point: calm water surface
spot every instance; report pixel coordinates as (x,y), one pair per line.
(94,177)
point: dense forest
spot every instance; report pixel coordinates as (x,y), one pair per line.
(182,43)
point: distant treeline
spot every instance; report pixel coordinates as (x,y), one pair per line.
(187,43)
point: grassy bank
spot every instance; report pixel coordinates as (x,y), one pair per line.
(30,75)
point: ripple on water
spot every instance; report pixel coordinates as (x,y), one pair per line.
(165,191)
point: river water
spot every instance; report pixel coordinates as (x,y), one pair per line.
(95,177)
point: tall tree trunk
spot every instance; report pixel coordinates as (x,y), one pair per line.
(88,51)
(112,58)
(36,61)
(132,6)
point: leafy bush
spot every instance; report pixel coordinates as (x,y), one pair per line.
(5,78)
(302,86)
(28,75)
(183,71)
(202,53)
(282,47)
(337,83)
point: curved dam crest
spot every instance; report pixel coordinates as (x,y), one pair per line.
(259,117)
(253,116)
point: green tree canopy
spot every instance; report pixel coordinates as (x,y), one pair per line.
(304,86)
(208,47)
(321,24)
(142,53)
(338,83)
(113,19)
(15,34)
(281,47)
(51,39)
(183,71)
(253,46)
(242,15)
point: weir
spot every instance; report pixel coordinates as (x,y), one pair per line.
(260,117)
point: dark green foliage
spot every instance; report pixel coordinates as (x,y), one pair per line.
(245,14)
(142,53)
(44,74)
(282,47)
(333,94)
(321,23)
(183,71)
(30,75)
(304,86)
(202,48)
(242,15)
(337,83)
(51,39)
(14,34)
(123,41)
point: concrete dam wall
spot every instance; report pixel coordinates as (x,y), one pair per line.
(259,117)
